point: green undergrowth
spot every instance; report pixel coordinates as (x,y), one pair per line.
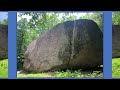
(116,67)
(62,74)
(4,68)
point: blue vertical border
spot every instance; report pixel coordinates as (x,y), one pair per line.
(107,42)
(12,62)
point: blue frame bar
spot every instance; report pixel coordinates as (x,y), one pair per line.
(12,62)
(107,42)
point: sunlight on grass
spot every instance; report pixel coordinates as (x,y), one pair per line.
(116,67)
(37,75)
(4,68)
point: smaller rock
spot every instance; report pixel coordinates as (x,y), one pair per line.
(116,41)
(3,41)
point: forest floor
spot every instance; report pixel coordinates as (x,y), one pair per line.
(4,68)
(116,67)
(94,73)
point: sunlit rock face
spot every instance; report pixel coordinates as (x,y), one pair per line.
(69,45)
(116,41)
(3,41)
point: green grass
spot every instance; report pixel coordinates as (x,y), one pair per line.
(63,74)
(4,68)
(116,67)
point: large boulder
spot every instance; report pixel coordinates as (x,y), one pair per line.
(116,41)
(68,45)
(3,41)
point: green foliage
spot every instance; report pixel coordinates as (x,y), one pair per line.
(3,68)
(5,21)
(77,74)
(116,67)
(62,74)
(39,23)
(116,18)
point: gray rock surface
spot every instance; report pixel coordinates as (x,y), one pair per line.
(116,41)
(3,41)
(69,45)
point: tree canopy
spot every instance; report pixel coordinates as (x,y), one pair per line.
(116,18)
(5,21)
